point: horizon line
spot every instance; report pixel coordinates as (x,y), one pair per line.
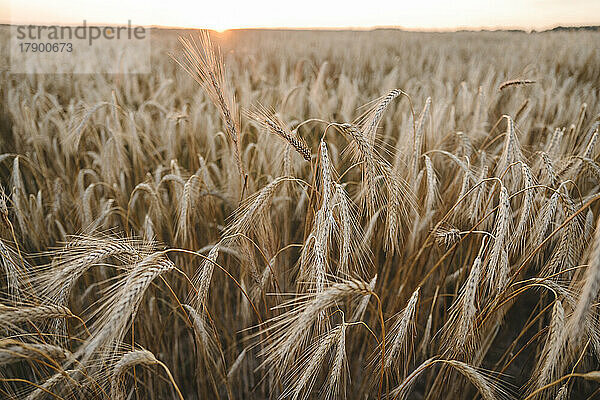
(327,28)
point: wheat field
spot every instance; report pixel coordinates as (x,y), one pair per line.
(300,214)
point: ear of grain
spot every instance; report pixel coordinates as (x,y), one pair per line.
(373,118)
(401,333)
(460,334)
(524,223)
(315,357)
(203,277)
(418,138)
(336,385)
(546,371)
(205,65)
(364,302)
(121,308)
(589,291)
(52,384)
(496,271)
(129,360)
(273,124)
(292,329)
(14,351)
(515,82)
(12,316)
(488,389)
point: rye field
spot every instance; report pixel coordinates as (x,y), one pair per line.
(305,215)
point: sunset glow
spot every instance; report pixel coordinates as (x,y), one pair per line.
(222,15)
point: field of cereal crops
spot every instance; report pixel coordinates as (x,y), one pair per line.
(306,214)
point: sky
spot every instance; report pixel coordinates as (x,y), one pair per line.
(227,14)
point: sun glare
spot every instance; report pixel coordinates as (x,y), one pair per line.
(223,15)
